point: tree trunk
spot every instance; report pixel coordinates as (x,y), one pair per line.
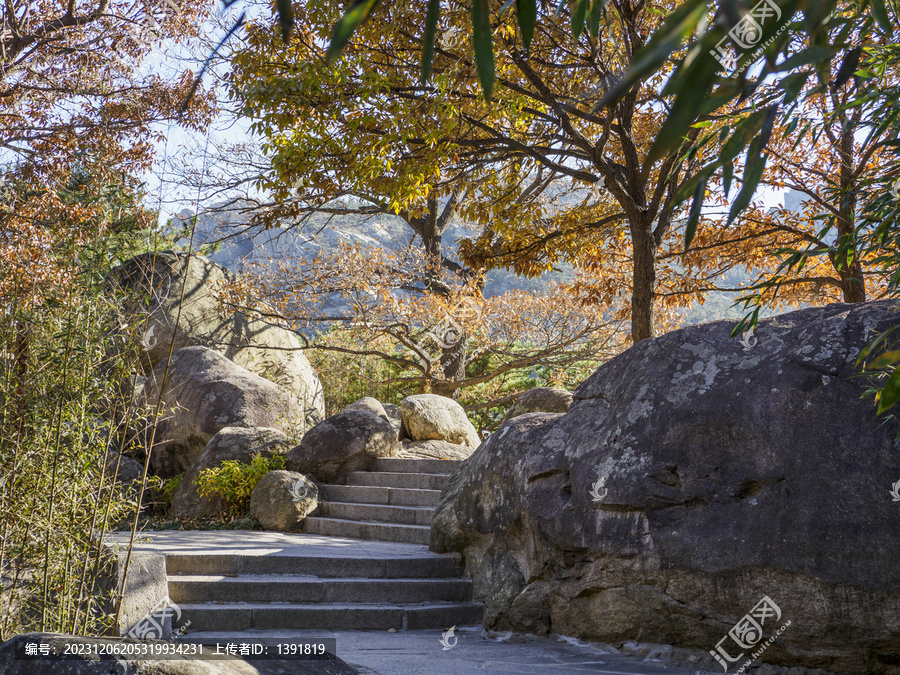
(453,362)
(644,282)
(850,271)
(852,285)
(452,340)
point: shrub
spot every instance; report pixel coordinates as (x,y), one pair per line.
(170,487)
(234,481)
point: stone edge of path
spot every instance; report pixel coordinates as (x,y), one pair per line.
(145,590)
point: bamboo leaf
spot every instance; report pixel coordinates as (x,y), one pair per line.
(687,107)
(526,11)
(285,19)
(579,12)
(753,171)
(595,15)
(431,20)
(881,16)
(884,360)
(667,39)
(848,67)
(484,46)
(694,217)
(355,16)
(890,394)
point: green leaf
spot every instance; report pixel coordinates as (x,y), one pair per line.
(727,176)
(743,133)
(766,132)
(483,44)
(285,18)
(810,55)
(431,20)
(793,85)
(890,394)
(665,40)
(355,16)
(753,171)
(848,67)
(687,107)
(884,360)
(694,216)
(595,15)
(526,11)
(881,16)
(869,348)
(579,12)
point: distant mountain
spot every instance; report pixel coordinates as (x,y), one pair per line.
(235,248)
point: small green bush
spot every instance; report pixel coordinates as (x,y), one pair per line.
(234,481)
(170,487)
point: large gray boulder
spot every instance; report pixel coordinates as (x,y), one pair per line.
(428,417)
(282,499)
(540,399)
(205,392)
(151,286)
(692,476)
(232,444)
(347,441)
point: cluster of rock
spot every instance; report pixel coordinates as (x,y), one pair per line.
(225,386)
(700,492)
(350,440)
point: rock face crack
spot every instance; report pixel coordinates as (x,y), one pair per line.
(546,474)
(816,368)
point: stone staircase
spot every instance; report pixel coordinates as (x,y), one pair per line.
(393,502)
(340,584)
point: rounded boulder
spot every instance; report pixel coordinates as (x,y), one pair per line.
(282,499)
(429,417)
(347,441)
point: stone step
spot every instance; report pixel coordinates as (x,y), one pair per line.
(364,494)
(341,563)
(382,513)
(400,465)
(336,616)
(259,588)
(389,479)
(359,529)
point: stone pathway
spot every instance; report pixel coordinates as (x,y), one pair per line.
(239,583)
(392,502)
(235,580)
